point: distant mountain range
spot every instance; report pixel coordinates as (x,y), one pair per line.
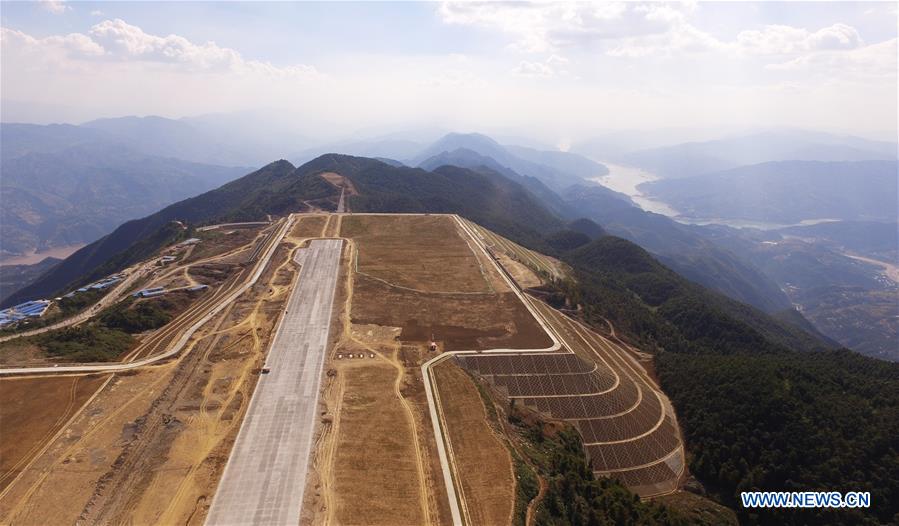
(539,196)
(696,158)
(679,246)
(740,264)
(467,158)
(280,188)
(486,197)
(787,192)
(65,185)
(849,299)
(15,277)
(557,170)
(867,238)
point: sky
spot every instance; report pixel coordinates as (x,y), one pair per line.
(562,71)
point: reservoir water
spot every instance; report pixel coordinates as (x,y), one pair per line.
(626,179)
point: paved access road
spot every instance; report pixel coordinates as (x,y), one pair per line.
(265,476)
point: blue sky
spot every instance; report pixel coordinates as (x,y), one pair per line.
(565,69)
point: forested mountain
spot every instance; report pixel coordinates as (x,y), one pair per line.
(568,162)
(394,149)
(587,227)
(682,247)
(228,139)
(868,238)
(849,299)
(694,309)
(483,195)
(14,277)
(152,136)
(280,188)
(697,158)
(762,406)
(787,192)
(21,139)
(81,192)
(557,170)
(465,158)
(172,138)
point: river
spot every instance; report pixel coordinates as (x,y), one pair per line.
(626,179)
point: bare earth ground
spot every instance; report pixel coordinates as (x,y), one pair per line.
(375,434)
(546,266)
(521,273)
(222,258)
(56,487)
(372,463)
(420,252)
(32,411)
(339,181)
(310,226)
(456,295)
(21,352)
(219,241)
(151,447)
(482,461)
(375,460)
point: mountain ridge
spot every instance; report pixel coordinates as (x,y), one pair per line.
(280,188)
(82,191)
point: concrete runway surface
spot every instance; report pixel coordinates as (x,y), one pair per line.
(265,476)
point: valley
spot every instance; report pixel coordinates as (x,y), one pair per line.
(34,257)
(627,180)
(448,345)
(167,415)
(449,263)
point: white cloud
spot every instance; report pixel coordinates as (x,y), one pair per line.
(705,77)
(551,67)
(875,60)
(662,30)
(534,70)
(118,41)
(453,78)
(57,7)
(618,29)
(680,39)
(546,27)
(97,12)
(786,40)
(52,49)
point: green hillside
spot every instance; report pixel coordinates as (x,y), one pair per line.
(762,404)
(280,188)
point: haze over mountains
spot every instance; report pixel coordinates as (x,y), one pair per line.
(786,192)
(124,177)
(697,203)
(697,158)
(65,185)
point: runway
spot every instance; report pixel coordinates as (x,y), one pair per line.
(265,476)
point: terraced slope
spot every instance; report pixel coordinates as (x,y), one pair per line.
(627,424)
